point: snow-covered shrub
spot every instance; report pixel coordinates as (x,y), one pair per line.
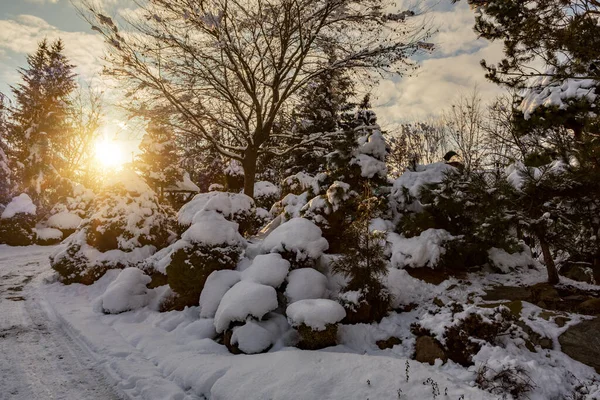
(217,284)
(305,283)
(235,207)
(266,194)
(234,176)
(126,225)
(298,240)
(316,321)
(210,244)
(268,269)
(244,300)
(47,236)
(17,222)
(71,210)
(127,292)
(301,183)
(256,336)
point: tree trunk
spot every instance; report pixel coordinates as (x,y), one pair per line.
(549,261)
(249,164)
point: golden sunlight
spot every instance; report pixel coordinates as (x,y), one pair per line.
(109,153)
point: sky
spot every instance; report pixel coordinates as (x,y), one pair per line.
(450,70)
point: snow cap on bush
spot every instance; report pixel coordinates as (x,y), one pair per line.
(233,206)
(315,313)
(245,299)
(298,236)
(305,283)
(21,204)
(269,269)
(217,284)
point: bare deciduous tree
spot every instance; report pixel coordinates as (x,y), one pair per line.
(233,66)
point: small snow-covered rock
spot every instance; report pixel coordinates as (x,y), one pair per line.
(21,204)
(127,292)
(269,269)
(305,283)
(245,299)
(299,236)
(217,284)
(251,338)
(315,313)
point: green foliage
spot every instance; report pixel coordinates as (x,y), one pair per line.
(363,263)
(191,266)
(18,230)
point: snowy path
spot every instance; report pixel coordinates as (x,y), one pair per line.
(38,360)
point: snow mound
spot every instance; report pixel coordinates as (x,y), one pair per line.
(229,205)
(299,236)
(245,299)
(315,313)
(251,338)
(269,269)
(127,292)
(48,234)
(212,228)
(418,251)
(64,220)
(217,284)
(305,283)
(21,204)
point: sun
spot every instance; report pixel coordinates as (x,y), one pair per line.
(109,153)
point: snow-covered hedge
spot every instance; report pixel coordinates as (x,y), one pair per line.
(17,222)
(126,225)
(298,240)
(127,292)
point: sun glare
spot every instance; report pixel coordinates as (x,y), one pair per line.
(109,153)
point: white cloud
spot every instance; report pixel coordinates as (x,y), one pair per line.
(42,1)
(22,35)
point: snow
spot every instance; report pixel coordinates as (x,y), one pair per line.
(333,194)
(315,313)
(215,287)
(251,338)
(186,184)
(245,299)
(302,182)
(21,204)
(299,236)
(305,283)
(413,181)
(269,269)
(545,91)
(507,262)
(211,228)
(228,204)
(127,292)
(369,166)
(48,234)
(424,250)
(371,154)
(148,355)
(64,220)
(266,189)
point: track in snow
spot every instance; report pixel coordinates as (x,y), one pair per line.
(38,360)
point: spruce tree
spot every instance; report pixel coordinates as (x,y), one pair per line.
(40,117)
(319,113)
(5,172)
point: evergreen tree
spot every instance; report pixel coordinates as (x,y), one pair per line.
(41,119)
(5,172)
(319,113)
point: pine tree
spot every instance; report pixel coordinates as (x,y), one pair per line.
(365,296)
(41,119)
